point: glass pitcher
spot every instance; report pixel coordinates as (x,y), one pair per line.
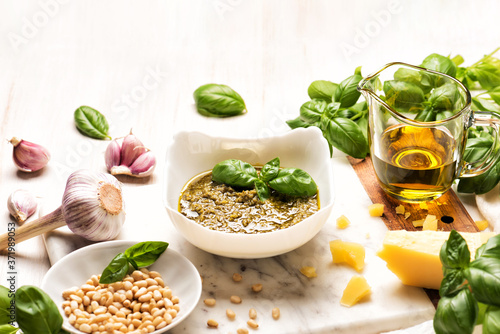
(418,124)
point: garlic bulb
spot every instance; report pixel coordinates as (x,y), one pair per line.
(21,205)
(131,158)
(28,156)
(92,208)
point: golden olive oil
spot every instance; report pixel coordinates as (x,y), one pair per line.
(415,164)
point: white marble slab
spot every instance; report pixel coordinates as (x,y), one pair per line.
(307,305)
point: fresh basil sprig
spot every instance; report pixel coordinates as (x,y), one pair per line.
(214,100)
(91,123)
(334,109)
(5,300)
(470,290)
(139,255)
(288,181)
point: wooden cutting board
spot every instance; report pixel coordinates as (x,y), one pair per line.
(448,208)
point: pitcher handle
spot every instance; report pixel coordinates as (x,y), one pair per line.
(489,119)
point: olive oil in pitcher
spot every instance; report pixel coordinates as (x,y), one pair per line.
(415,163)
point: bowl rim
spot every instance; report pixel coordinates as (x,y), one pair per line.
(196,288)
(328,207)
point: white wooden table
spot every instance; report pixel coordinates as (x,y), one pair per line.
(138,62)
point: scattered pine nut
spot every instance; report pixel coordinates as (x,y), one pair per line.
(235,300)
(209,301)
(252,324)
(212,323)
(276,313)
(237,277)
(242,331)
(252,313)
(230,314)
(257,287)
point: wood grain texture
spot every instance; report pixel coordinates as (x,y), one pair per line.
(447,205)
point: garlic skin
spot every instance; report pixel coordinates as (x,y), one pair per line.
(134,159)
(93,205)
(28,156)
(21,205)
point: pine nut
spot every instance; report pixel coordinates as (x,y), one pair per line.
(276,313)
(237,277)
(212,323)
(209,302)
(242,331)
(257,287)
(252,313)
(235,300)
(252,324)
(230,314)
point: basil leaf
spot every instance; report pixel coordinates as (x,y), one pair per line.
(297,123)
(214,100)
(294,182)
(490,249)
(440,63)
(476,148)
(345,135)
(145,253)
(311,111)
(487,73)
(446,97)
(482,183)
(495,94)
(234,173)
(270,170)
(452,282)
(483,275)
(491,321)
(457,314)
(5,304)
(347,93)
(412,76)
(8,329)
(36,312)
(322,89)
(445,114)
(426,115)
(455,253)
(116,270)
(479,103)
(403,96)
(262,190)
(91,123)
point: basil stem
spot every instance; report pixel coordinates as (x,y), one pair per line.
(145,254)
(214,100)
(91,123)
(36,312)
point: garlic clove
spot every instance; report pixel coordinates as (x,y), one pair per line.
(144,165)
(93,205)
(112,155)
(21,205)
(28,156)
(132,148)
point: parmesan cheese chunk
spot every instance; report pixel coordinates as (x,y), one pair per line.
(356,289)
(414,256)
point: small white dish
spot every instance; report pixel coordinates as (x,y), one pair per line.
(192,153)
(77,267)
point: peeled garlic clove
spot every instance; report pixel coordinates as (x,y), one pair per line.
(112,154)
(21,205)
(94,215)
(28,156)
(144,165)
(132,148)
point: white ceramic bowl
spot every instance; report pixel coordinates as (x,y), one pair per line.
(77,267)
(192,153)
